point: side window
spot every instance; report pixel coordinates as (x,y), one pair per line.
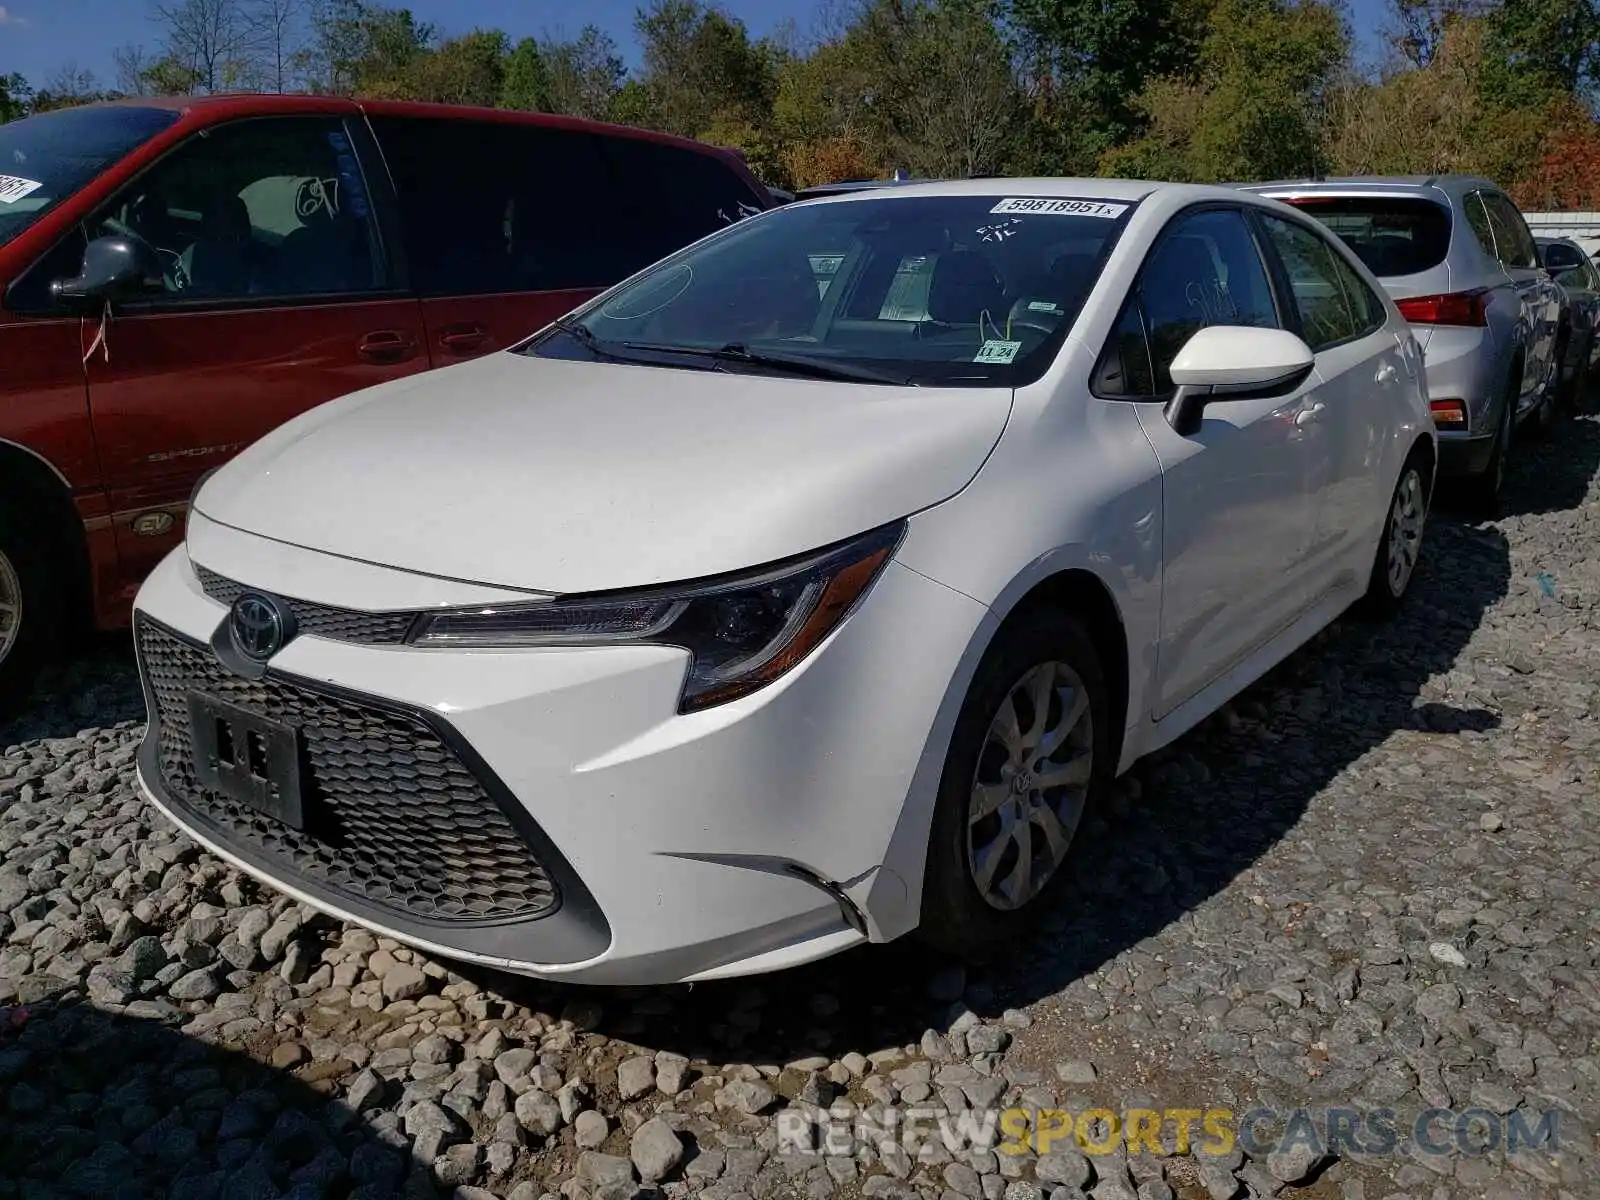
(1124,371)
(1204,271)
(492,207)
(1325,314)
(1365,307)
(681,196)
(1478,219)
(1510,232)
(263,208)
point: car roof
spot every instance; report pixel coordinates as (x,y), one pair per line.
(224,105)
(1373,184)
(1129,190)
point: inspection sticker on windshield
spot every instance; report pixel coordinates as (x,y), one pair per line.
(13,188)
(1059,208)
(997,352)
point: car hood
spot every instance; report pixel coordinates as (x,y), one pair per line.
(558,477)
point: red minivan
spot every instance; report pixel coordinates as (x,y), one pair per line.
(178,277)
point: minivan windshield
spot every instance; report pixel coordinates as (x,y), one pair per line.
(1392,235)
(46,158)
(959,290)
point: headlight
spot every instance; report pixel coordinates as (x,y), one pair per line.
(741,632)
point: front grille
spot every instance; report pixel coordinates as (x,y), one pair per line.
(393,817)
(320,620)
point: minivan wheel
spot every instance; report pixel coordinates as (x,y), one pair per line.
(26,629)
(1400,544)
(1029,755)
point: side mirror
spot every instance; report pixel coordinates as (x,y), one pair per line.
(1234,362)
(114,267)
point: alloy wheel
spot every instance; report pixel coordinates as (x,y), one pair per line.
(1029,789)
(10,606)
(1406,519)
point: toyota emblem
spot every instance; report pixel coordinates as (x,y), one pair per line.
(257,625)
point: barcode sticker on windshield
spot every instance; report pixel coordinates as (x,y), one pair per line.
(13,188)
(997,352)
(1059,208)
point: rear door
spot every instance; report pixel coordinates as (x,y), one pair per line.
(279,295)
(1514,246)
(1362,372)
(509,225)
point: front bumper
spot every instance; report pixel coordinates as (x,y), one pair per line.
(744,838)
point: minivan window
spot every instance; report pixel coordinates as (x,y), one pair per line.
(268,206)
(498,207)
(46,158)
(959,290)
(1391,235)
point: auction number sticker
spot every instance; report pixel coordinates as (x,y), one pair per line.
(14,188)
(997,352)
(1059,208)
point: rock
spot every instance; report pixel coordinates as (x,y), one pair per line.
(590,1129)
(366,1091)
(635,1077)
(538,1112)
(1217,1180)
(403,982)
(514,1066)
(1066,1167)
(602,1170)
(963,1180)
(1446,953)
(746,1096)
(434,1048)
(1077,1071)
(1439,1001)
(656,1150)
(288,1055)
(1293,1163)
(672,1073)
(1491,822)
(196,985)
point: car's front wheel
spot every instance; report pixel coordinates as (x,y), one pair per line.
(1029,755)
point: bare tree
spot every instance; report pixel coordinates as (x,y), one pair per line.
(133,63)
(71,80)
(211,38)
(278,34)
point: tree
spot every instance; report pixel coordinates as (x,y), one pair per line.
(699,64)
(1254,108)
(527,79)
(364,48)
(69,85)
(463,70)
(277,37)
(1422,25)
(585,74)
(211,38)
(16,97)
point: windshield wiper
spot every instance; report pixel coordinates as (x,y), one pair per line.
(794,364)
(584,336)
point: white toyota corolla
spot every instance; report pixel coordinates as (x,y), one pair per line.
(802,590)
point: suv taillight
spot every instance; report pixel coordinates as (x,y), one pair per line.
(1451,308)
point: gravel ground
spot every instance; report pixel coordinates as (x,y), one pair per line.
(1369,883)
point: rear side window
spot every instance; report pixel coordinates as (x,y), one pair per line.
(1333,303)
(691,194)
(1510,232)
(1391,235)
(1478,219)
(494,208)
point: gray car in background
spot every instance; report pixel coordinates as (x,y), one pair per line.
(1457,257)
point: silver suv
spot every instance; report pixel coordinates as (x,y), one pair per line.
(1462,267)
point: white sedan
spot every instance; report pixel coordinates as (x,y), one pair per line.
(802,590)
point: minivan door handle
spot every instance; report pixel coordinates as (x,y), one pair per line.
(387,346)
(463,339)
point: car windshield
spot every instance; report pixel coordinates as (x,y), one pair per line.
(959,290)
(1392,235)
(46,158)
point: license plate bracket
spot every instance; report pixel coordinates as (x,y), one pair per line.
(247,757)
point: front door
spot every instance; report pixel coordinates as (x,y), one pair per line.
(278,296)
(1236,517)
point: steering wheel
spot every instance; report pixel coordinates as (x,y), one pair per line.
(173,273)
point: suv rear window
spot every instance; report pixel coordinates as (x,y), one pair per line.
(1391,235)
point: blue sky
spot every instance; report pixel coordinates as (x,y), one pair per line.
(37,37)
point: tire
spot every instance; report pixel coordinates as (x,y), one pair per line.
(1484,490)
(958,917)
(1394,563)
(30,606)
(1573,396)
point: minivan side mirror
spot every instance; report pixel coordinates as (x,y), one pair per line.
(1234,362)
(114,267)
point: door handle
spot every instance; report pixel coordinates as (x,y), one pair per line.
(387,346)
(1386,373)
(1309,414)
(463,339)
